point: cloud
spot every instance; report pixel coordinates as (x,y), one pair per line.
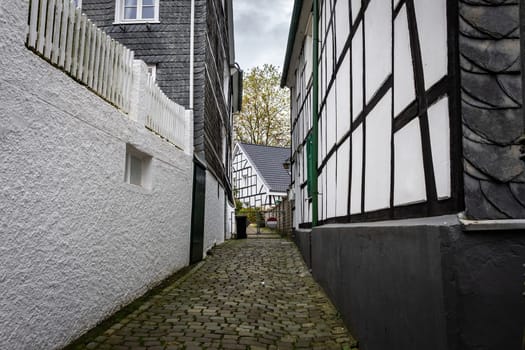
(261,31)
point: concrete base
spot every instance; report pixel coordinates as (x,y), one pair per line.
(302,240)
(422,284)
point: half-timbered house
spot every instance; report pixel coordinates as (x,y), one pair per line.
(260,178)
(189,49)
(406,119)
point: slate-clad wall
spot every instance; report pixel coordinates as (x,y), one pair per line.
(489,44)
(216,116)
(166,44)
(199,76)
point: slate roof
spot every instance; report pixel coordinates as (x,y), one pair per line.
(268,161)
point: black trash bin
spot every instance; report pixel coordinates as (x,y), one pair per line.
(241,222)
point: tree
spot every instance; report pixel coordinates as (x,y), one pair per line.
(265,115)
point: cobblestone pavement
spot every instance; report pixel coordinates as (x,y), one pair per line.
(249,294)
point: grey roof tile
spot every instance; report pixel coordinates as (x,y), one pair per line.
(269,164)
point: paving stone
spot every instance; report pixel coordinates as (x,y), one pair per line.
(224,305)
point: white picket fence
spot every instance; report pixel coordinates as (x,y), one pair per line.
(65,37)
(164,116)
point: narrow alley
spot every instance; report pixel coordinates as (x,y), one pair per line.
(248,294)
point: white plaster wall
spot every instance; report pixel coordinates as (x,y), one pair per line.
(214,213)
(230,220)
(76,242)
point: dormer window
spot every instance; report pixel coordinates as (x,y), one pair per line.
(136,11)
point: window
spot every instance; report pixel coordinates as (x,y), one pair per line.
(138,168)
(152,70)
(136,11)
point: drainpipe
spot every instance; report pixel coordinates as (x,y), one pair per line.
(521,140)
(315,112)
(192,51)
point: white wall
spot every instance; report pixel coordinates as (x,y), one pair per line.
(367,156)
(76,242)
(214,213)
(230,220)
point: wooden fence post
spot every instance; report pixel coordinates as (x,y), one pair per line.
(138,109)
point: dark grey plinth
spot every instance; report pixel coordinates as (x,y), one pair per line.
(422,284)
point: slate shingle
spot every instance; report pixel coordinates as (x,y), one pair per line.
(268,162)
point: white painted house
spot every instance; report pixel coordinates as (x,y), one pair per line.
(378,148)
(259,176)
(406,122)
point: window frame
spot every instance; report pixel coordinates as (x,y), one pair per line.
(152,70)
(145,168)
(119,13)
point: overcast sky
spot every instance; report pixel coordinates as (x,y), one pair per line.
(261,31)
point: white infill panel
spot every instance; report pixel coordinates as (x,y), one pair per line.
(357,73)
(308,52)
(342,24)
(356,6)
(378,45)
(357,171)
(343,168)
(331,191)
(404,90)
(432,27)
(321,210)
(323,16)
(377,161)
(322,137)
(409,173)
(438,119)
(331,120)
(322,74)
(343,97)
(329,55)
